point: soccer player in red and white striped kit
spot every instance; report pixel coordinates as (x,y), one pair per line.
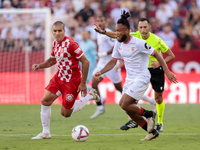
(68,81)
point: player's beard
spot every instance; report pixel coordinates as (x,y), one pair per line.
(124,37)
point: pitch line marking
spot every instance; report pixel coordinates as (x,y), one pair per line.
(103,134)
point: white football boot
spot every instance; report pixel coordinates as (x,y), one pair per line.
(42,136)
(97,113)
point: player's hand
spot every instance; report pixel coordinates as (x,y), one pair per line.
(83,89)
(35,67)
(155,64)
(97,75)
(116,68)
(98,29)
(171,77)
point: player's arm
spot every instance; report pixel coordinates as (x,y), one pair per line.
(107,67)
(108,33)
(121,64)
(162,62)
(85,67)
(170,56)
(46,64)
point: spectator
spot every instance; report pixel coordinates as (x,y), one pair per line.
(163,13)
(74,35)
(155,28)
(129,4)
(171,4)
(7,6)
(31,44)
(89,49)
(196,35)
(58,10)
(138,6)
(16,4)
(188,26)
(176,21)
(184,40)
(86,12)
(116,12)
(7,45)
(24,32)
(167,35)
(90,27)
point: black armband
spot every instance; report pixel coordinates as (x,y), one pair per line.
(104,32)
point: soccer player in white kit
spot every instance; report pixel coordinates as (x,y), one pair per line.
(135,53)
(105,48)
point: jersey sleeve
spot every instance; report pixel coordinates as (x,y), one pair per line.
(115,53)
(144,47)
(75,50)
(163,46)
(52,51)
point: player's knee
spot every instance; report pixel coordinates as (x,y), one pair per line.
(66,115)
(159,99)
(123,106)
(45,102)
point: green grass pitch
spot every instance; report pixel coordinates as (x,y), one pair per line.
(18,123)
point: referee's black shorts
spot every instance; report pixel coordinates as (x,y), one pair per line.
(157,79)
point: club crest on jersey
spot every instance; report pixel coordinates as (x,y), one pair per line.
(69,97)
(147,46)
(132,49)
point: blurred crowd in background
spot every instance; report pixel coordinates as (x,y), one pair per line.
(177,22)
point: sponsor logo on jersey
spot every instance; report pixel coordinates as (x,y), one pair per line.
(78,50)
(147,46)
(69,97)
(120,48)
(132,49)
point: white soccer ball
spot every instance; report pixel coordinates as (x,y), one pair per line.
(80,133)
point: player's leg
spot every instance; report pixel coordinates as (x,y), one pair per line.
(157,81)
(118,86)
(68,109)
(136,113)
(160,106)
(47,100)
(100,108)
(79,104)
(151,101)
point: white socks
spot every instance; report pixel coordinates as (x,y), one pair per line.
(100,107)
(148,99)
(45,118)
(79,104)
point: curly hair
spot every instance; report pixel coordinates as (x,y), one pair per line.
(123,20)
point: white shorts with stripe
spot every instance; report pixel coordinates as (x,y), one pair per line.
(135,89)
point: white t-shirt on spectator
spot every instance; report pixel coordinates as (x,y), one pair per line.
(167,38)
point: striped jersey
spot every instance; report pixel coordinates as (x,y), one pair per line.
(67,54)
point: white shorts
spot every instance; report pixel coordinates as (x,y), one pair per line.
(135,89)
(114,76)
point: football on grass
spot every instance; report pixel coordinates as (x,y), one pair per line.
(80,133)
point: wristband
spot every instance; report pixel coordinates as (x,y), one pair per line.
(104,32)
(102,54)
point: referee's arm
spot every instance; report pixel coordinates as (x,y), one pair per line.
(170,56)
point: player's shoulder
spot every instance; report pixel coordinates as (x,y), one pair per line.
(154,37)
(135,34)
